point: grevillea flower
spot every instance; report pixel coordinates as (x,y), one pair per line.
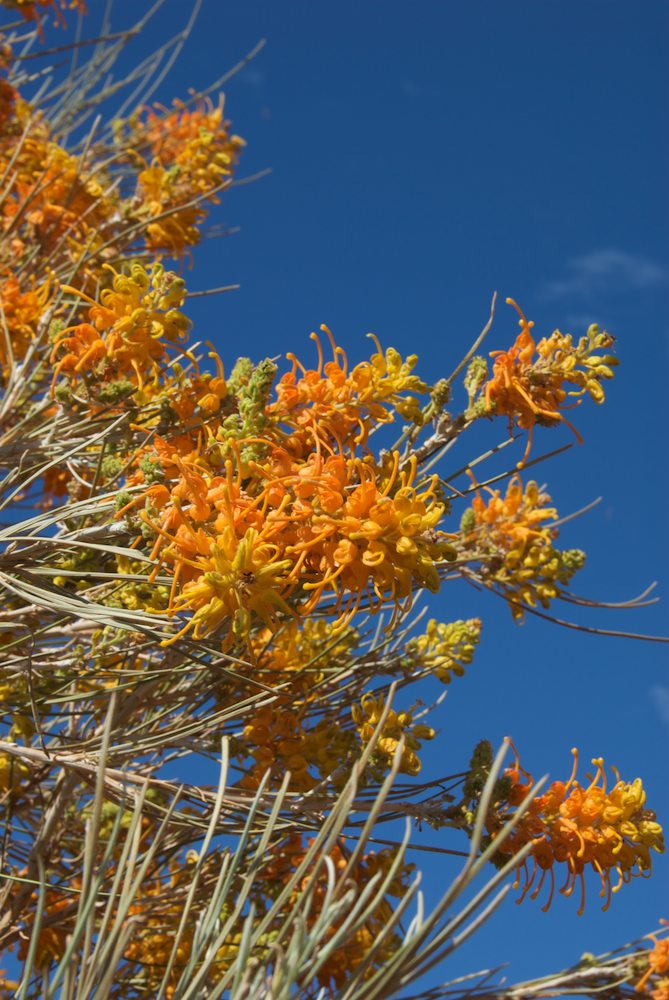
(279,740)
(196,139)
(156,913)
(21,312)
(8,97)
(239,578)
(55,485)
(14,706)
(58,201)
(318,530)
(30,9)
(192,154)
(444,649)
(343,406)
(655,979)
(609,831)
(366,541)
(130,330)
(297,514)
(199,391)
(508,537)
(336,971)
(300,653)
(528,381)
(397,726)
(60,907)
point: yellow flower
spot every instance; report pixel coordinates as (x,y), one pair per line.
(397,726)
(12,772)
(238,579)
(444,649)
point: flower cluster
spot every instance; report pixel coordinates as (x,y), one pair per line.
(324,527)
(52,204)
(21,314)
(341,405)
(60,907)
(655,979)
(607,830)
(278,742)
(301,653)
(396,727)
(528,381)
(71,206)
(192,156)
(282,736)
(12,772)
(444,649)
(157,910)
(514,547)
(128,332)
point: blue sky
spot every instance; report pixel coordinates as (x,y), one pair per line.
(422,156)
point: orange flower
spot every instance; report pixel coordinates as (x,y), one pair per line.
(323,528)
(197,139)
(193,155)
(21,312)
(59,911)
(58,199)
(28,8)
(530,390)
(279,740)
(658,965)
(515,547)
(609,831)
(129,331)
(335,972)
(55,485)
(239,577)
(341,406)
(156,914)
(8,96)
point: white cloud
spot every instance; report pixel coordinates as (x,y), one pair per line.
(606,270)
(660,698)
